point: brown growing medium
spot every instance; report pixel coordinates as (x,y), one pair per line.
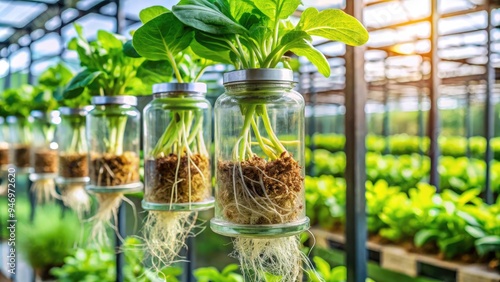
(21,156)
(4,156)
(73,165)
(45,161)
(112,170)
(161,174)
(269,194)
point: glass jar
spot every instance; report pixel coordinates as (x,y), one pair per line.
(177,136)
(20,142)
(113,130)
(4,145)
(44,148)
(259,155)
(73,148)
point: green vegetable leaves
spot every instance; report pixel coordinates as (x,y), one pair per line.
(258,34)
(166,33)
(277,9)
(207,17)
(152,12)
(334,25)
(78,84)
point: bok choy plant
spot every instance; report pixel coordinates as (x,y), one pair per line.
(177,164)
(261,185)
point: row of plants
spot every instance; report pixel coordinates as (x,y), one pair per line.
(452,226)
(402,144)
(457,174)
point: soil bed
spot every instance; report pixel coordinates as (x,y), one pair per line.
(45,161)
(269,194)
(21,156)
(161,173)
(4,156)
(112,170)
(73,165)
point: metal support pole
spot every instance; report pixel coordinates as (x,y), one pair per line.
(9,72)
(190,263)
(355,172)
(489,111)
(122,233)
(434,97)
(420,121)
(385,121)
(467,121)
(312,119)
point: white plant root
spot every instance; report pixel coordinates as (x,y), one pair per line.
(279,257)
(107,210)
(165,234)
(76,198)
(45,190)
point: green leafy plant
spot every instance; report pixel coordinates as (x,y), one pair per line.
(327,273)
(257,34)
(211,274)
(17,101)
(49,239)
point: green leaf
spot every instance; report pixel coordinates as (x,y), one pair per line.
(317,58)
(488,244)
(322,267)
(129,50)
(475,231)
(205,16)
(152,72)
(334,25)
(162,38)
(425,235)
(78,84)
(109,40)
(229,268)
(151,12)
(280,9)
(210,54)
(471,220)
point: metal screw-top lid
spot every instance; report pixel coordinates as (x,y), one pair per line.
(41,114)
(67,111)
(180,87)
(114,100)
(267,75)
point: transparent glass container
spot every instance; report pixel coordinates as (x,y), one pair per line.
(177,137)
(20,138)
(73,148)
(4,145)
(44,160)
(113,132)
(259,155)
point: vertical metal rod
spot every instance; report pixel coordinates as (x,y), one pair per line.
(122,233)
(355,172)
(420,120)
(312,119)
(121,224)
(434,97)
(489,111)
(385,121)
(467,120)
(191,255)
(9,72)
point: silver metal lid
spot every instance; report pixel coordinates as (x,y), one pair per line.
(267,75)
(114,100)
(67,111)
(41,114)
(180,87)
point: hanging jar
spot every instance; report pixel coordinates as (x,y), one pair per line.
(113,132)
(4,145)
(44,161)
(20,142)
(73,148)
(259,155)
(177,136)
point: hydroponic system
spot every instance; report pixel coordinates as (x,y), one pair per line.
(249,140)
